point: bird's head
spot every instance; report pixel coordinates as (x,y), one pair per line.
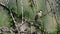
(40,11)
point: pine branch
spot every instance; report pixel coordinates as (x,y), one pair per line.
(6,29)
(11,13)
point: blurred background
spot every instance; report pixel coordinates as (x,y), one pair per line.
(49,23)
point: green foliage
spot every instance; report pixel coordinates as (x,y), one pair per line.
(26,14)
(13,7)
(4,18)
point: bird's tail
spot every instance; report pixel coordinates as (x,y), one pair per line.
(36,17)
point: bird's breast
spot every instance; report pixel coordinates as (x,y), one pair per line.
(39,14)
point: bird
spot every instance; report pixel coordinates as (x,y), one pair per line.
(38,15)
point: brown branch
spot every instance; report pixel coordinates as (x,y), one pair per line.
(6,29)
(11,14)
